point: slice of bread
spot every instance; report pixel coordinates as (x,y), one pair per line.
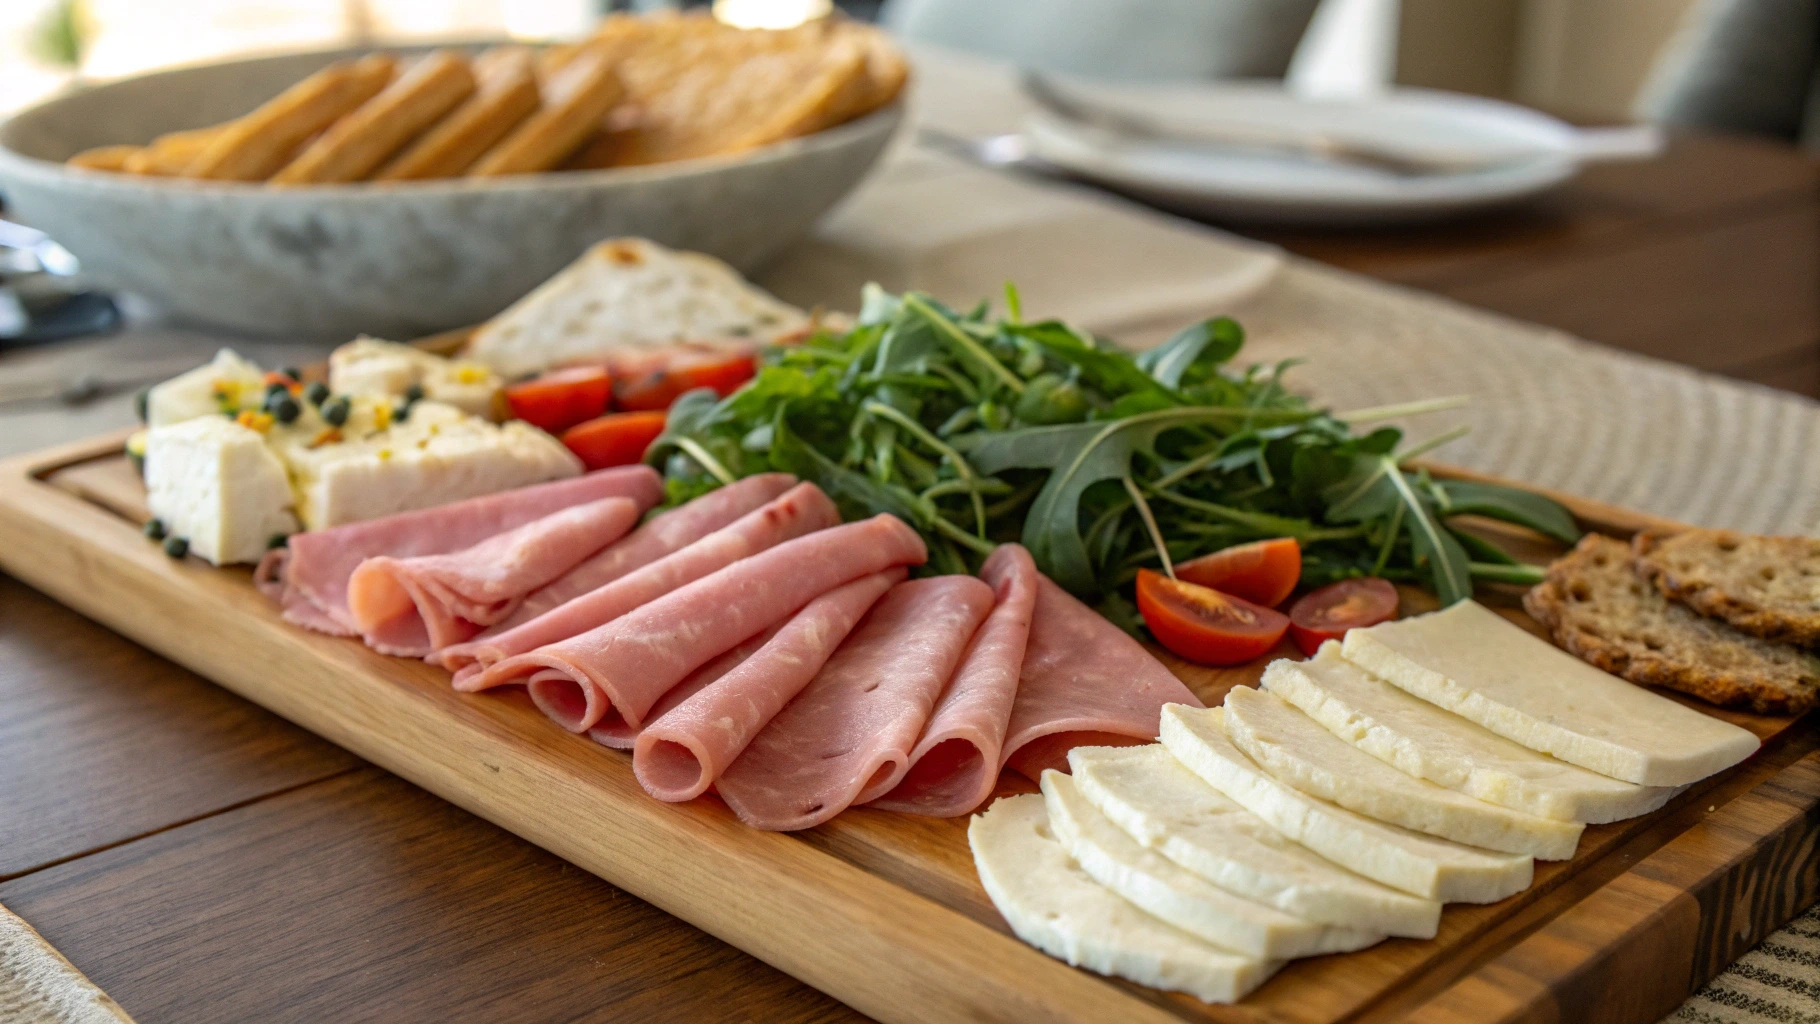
(1765,586)
(1597,607)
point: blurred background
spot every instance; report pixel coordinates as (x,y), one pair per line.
(1589,58)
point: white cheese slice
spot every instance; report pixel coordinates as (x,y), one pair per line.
(379,368)
(216,484)
(1406,860)
(1157,801)
(1440,746)
(1166,890)
(225,384)
(438,456)
(1297,750)
(1481,666)
(1053,905)
(625,297)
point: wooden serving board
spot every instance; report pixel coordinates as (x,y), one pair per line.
(883,910)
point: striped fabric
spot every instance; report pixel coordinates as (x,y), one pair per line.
(1778,981)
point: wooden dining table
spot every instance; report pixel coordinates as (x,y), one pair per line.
(205,861)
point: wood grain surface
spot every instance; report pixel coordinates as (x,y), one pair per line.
(1690,202)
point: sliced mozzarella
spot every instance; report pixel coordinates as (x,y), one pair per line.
(1297,750)
(1157,801)
(1434,744)
(1053,905)
(1168,891)
(1481,666)
(1415,863)
(217,484)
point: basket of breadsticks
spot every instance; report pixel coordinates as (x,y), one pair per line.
(410,190)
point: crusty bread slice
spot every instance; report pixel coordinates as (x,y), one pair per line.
(1597,607)
(1765,586)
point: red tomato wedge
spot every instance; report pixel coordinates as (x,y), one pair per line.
(1327,613)
(656,389)
(616,439)
(558,400)
(1204,625)
(1262,572)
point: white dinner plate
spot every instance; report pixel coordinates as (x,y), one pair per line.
(1531,152)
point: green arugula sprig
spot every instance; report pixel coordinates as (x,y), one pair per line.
(978,430)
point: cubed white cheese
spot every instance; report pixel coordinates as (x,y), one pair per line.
(226,383)
(373,367)
(216,483)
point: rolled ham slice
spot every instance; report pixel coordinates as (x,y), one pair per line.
(802,510)
(1085,682)
(702,725)
(955,764)
(309,576)
(624,666)
(671,531)
(413,606)
(847,737)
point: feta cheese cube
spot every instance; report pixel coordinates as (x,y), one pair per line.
(218,484)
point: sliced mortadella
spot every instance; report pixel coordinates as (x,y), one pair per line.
(412,606)
(309,575)
(665,533)
(803,510)
(955,764)
(691,741)
(847,737)
(1085,682)
(623,667)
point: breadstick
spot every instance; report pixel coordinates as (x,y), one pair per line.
(352,147)
(103,158)
(576,99)
(507,94)
(257,145)
(170,153)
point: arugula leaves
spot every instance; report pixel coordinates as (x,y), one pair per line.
(978,431)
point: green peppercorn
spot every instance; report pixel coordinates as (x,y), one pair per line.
(176,547)
(335,411)
(283,407)
(140,403)
(317,392)
(154,528)
(414,393)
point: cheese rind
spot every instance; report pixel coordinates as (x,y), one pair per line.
(1053,905)
(1435,744)
(1165,807)
(1172,893)
(215,483)
(1297,750)
(1410,861)
(1482,667)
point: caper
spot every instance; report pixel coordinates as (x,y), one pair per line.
(154,528)
(283,407)
(317,392)
(402,412)
(414,393)
(291,372)
(141,401)
(176,547)
(275,387)
(335,411)
(277,540)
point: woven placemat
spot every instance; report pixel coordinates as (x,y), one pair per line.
(38,986)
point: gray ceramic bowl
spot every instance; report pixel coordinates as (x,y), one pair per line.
(395,259)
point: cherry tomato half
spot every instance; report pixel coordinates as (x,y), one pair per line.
(1262,572)
(656,389)
(1327,613)
(616,439)
(558,400)
(1204,625)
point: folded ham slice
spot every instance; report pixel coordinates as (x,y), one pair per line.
(847,737)
(309,576)
(671,531)
(623,667)
(802,510)
(955,764)
(702,725)
(1085,682)
(620,734)
(413,606)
